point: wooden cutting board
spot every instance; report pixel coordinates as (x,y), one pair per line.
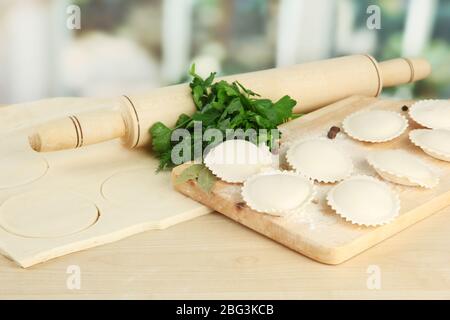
(318,232)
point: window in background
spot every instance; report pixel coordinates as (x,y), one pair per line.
(131,46)
(117,50)
(233,36)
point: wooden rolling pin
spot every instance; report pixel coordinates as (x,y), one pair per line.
(313,85)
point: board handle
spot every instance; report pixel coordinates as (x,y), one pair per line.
(78,130)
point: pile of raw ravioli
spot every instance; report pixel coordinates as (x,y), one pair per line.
(360,199)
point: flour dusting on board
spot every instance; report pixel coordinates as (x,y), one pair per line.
(231,192)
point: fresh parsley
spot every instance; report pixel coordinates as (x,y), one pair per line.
(200,173)
(222,105)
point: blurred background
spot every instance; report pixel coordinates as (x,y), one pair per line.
(133,45)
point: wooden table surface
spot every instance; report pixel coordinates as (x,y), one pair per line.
(212,257)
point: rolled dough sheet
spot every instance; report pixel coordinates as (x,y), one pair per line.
(141,188)
(52,204)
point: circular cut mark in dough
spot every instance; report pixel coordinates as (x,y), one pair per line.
(47,214)
(433,114)
(278,193)
(21,168)
(435,143)
(375,125)
(403,168)
(320,159)
(143,188)
(364,200)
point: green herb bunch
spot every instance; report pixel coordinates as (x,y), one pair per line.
(222,105)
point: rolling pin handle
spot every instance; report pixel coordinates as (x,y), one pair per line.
(78,130)
(404,70)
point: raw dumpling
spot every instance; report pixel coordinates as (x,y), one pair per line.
(433,114)
(364,200)
(435,143)
(236,160)
(401,167)
(278,193)
(320,159)
(375,125)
